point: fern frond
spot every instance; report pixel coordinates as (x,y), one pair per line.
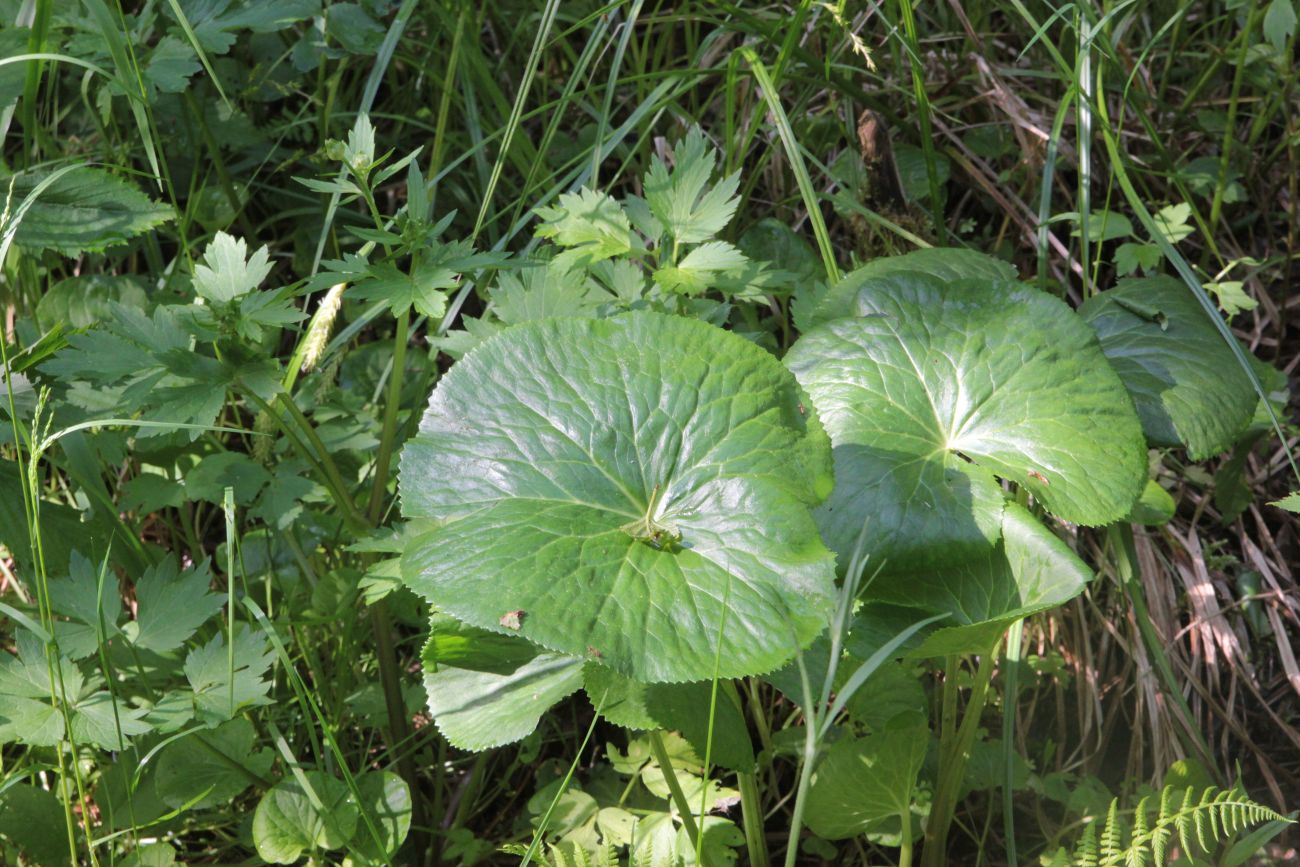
(1112,842)
(1085,853)
(1200,823)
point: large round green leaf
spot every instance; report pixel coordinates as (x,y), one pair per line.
(636,491)
(933,265)
(1189,389)
(933,390)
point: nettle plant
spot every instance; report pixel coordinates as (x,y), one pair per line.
(643,506)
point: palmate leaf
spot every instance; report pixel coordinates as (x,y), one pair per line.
(635,491)
(85,210)
(680,199)
(1188,387)
(227,271)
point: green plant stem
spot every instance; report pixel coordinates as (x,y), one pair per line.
(954,751)
(913,46)
(1230,127)
(675,787)
(905,840)
(1012,677)
(399,723)
(380,486)
(751,817)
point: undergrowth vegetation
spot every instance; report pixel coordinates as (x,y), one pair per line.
(649,434)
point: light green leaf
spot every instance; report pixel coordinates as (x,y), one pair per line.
(590,224)
(1187,385)
(150,855)
(289,820)
(1131,258)
(1232,296)
(699,269)
(681,200)
(1171,221)
(1154,508)
(227,271)
(105,721)
(1279,23)
(85,210)
(387,801)
(220,761)
(615,494)
(1291,502)
(864,780)
(1101,225)
(929,266)
(936,389)
(476,710)
(541,291)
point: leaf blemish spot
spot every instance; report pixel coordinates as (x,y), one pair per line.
(513,619)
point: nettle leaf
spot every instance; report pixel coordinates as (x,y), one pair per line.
(935,266)
(679,200)
(227,271)
(937,389)
(291,820)
(84,211)
(1189,389)
(862,781)
(633,490)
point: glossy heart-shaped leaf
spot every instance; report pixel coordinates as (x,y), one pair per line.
(933,390)
(636,491)
(1189,389)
